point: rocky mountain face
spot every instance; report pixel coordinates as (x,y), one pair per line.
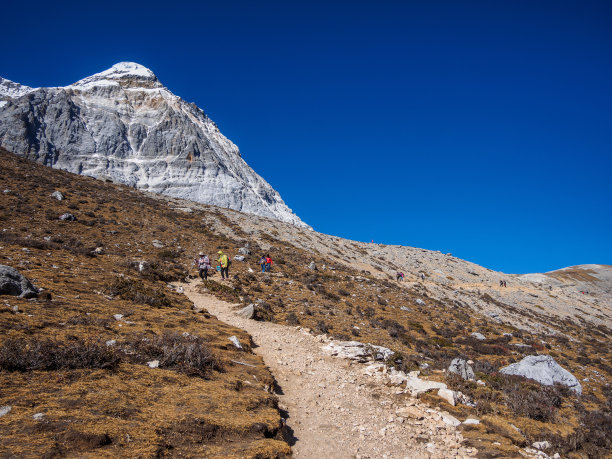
(123,124)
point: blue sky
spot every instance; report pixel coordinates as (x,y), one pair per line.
(474,127)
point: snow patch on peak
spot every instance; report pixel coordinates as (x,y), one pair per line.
(121,72)
(11,89)
(129,69)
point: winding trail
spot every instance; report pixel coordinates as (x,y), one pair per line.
(334,409)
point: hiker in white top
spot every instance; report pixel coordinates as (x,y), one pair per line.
(203,264)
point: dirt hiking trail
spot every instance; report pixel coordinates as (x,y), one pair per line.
(334,409)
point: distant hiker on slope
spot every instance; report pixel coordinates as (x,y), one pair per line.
(268,263)
(422,275)
(203,264)
(224,262)
(399,276)
(262,262)
(501,283)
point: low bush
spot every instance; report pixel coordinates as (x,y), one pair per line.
(135,290)
(187,354)
(47,355)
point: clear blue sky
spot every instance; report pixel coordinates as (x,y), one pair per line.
(481,128)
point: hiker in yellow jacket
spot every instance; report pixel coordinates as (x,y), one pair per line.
(224,262)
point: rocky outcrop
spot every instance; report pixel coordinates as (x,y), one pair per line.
(125,126)
(354,350)
(12,282)
(461,368)
(543,369)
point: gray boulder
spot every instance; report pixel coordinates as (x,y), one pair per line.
(479,336)
(462,368)
(244,251)
(312,266)
(247,312)
(543,369)
(239,258)
(57,195)
(67,217)
(420,302)
(14,283)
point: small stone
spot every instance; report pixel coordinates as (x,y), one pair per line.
(448,395)
(57,195)
(111,342)
(5,410)
(153,363)
(235,341)
(157,244)
(420,302)
(38,416)
(239,258)
(68,217)
(450,420)
(471,421)
(118,316)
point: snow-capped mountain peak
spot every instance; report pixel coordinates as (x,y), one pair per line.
(122,74)
(124,124)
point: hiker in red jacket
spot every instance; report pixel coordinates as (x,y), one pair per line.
(268,263)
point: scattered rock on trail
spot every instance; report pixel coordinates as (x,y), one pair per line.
(239,258)
(543,369)
(417,386)
(244,251)
(462,368)
(312,265)
(57,195)
(12,282)
(420,302)
(479,336)
(157,244)
(68,217)
(354,350)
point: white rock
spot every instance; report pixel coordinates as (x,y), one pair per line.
(111,342)
(38,416)
(541,445)
(118,316)
(471,421)
(239,257)
(235,341)
(450,420)
(153,363)
(417,386)
(354,350)
(448,395)
(420,302)
(543,369)
(57,195)
(5,410)
(157,244)
(479,336)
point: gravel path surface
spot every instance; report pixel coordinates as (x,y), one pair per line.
(334,409)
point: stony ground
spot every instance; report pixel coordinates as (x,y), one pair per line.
(335,409)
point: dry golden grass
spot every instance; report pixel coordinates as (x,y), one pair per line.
(229,413)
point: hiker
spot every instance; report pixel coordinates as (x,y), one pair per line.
(224,262)
(203,264)
(422,276)
(505,285)
(501,283)
(268,263)
(399,276)
(262,262)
